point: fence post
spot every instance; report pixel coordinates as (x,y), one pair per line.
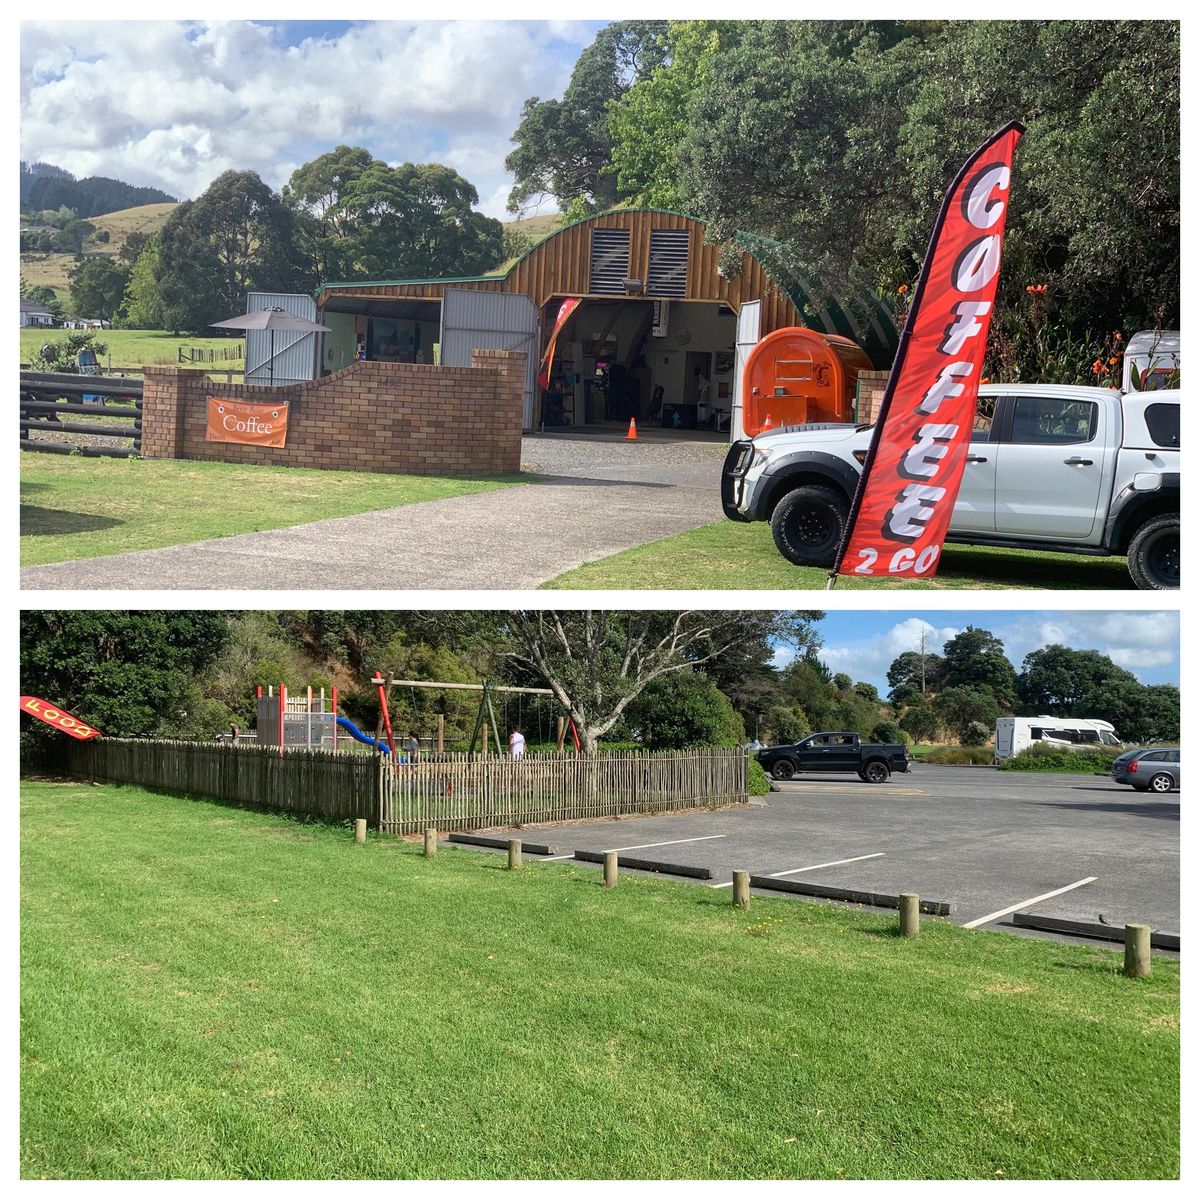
(741,889)
(561,733)
(910,914)
(430,841)
(610,869)
(441,725)
(514,854)
(1137,951)
(360,830)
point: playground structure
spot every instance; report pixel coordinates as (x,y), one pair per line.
(310,719)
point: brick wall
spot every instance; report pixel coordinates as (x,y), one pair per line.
(399,418)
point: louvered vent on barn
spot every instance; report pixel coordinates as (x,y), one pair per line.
(668,262)
(610,261)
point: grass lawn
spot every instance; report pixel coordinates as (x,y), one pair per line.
(213,992)
(132,348)
(76,507)
(728,554)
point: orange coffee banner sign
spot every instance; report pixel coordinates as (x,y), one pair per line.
(914,467)
(249,424)
(53,715)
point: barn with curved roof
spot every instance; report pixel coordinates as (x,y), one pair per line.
(652,330)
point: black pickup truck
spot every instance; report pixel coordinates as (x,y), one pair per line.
(873,762)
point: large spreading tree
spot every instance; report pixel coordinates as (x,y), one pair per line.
(237,237)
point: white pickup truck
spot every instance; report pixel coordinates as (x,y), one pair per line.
(1081,470)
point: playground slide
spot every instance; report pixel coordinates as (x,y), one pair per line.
(358,735)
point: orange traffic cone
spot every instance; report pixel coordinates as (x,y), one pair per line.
(768,424)
(631,436)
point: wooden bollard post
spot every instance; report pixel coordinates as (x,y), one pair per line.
(483,746)
(430,842)
(441,729)
(1137,951)
(514,854)
(610,869)
(360,830)
(910,914)
(741,889)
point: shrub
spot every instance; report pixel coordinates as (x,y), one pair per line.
(1041,757)
(886,731)
(757,783)
(958,755)
(976,734)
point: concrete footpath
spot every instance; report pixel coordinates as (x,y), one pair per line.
(592,498)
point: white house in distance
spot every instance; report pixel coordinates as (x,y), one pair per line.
(35,313)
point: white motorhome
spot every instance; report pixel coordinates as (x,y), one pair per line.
(1151,361)
(1014,734)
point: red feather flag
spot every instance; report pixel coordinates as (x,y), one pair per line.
(55,716)
(914,468)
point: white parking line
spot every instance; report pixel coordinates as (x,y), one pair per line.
(1033,900)
(818,866)
(815,867)
(677,842)
(554,858)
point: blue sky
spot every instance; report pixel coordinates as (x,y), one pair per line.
(864,644)
(172,104)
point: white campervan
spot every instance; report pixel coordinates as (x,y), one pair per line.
(1014,734)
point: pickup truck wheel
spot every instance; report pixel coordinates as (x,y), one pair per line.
(807,525)
(876,771)
(782,769)
(1154,554)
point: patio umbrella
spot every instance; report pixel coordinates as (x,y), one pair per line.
(272,319)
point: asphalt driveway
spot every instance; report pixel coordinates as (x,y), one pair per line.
(588,496)
(989,842)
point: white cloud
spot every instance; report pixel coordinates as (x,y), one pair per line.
(173,104)
(869,659)
(1139,642)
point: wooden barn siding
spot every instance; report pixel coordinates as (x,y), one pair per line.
(561,266)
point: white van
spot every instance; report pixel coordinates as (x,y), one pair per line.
(1014,734)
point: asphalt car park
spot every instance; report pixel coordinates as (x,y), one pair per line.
(989,843)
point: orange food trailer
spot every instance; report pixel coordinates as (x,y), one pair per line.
(796,376)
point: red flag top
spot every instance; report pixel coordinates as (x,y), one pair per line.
(913,470)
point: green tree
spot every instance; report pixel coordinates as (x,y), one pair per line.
(842,682)
(958,707)
(976,659)
(143,303)
(922,723)
(920,672)
(886,731)
(564,147)
(416,221)
(133,245)
(98,288)
(237,237)
(686,709)
(975,734)
(128,673)
(784,723)
(649,123)
(326,227)
(598,663)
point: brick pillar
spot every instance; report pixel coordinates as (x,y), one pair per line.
(871,386)
(509,366)
(162,412)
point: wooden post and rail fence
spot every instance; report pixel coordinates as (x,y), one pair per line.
(48,397)
(446,791)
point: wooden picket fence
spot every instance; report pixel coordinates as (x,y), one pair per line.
(472,791)
(449,791)
(337,786)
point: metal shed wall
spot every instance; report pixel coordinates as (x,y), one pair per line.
(474,320)
(295,353)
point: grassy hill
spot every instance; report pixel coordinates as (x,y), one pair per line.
(53,269)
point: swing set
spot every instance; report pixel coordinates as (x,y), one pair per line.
(485,716)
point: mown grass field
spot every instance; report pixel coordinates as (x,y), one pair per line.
(210,992)
(129,349)
(75,507)
(727,554)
